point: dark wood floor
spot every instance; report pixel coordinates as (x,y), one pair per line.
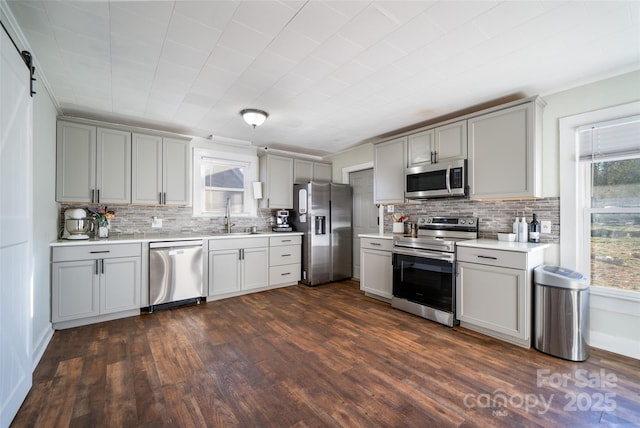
(311,357)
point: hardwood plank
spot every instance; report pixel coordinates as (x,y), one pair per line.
(312,357)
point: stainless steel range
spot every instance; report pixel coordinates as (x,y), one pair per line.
(424,267)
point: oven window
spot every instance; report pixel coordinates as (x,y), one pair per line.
(424,281)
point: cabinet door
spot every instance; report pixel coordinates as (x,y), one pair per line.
(420,148)
(388,170)
(376,272)
(146,173)
(255,268)
(74,290)
(493,298)
(224,271)
(177,172)
(119,284)
(113,166)
(322,172)
(302,171)
(279,182)
(502,156)
(75,162)
(451,141)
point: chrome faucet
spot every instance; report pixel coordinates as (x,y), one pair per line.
(227,215)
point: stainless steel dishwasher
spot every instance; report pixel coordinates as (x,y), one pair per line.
(175,272)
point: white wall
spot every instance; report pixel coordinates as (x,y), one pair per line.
(355,156)
(45,214)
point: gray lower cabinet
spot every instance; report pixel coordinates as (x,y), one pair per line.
(93,283)
(285,265)
(376,270)
(237,265)
(494,292)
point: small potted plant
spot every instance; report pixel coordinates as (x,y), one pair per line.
(398,222)
(102,218)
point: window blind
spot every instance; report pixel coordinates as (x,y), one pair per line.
(619,138)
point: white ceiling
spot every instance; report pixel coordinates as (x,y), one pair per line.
(331,73)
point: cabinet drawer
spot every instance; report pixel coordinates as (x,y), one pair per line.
(237,243)
(377,243)
(275,241)
(284,255)
(99,251)
(508,259)
(284,274)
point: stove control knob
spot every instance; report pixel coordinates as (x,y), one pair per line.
(470,221)
(429,219)
(422,220)
(462,221)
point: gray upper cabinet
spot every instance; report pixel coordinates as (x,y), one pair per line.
(161,170)
(302,171)
(322,172)
(442,143)
(93,164)
(276,172)
(388,167)
(505,152)
(305,171)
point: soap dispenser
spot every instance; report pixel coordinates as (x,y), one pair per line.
(516,227)
(523,230)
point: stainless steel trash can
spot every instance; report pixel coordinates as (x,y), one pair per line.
(561,312)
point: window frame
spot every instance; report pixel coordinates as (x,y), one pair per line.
(233,159)
(575,244)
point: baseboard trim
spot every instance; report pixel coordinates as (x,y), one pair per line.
(617,345)
(41,346)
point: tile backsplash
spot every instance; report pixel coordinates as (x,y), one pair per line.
(493,216)
(135,219)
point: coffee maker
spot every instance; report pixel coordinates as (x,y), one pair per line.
(282,222)
(76,224)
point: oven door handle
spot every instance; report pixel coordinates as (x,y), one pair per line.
(447,257)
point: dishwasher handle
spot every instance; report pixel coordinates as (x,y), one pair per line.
(173,244)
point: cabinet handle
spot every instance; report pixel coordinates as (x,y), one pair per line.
(286,240)
(164,198)
(98,195)
(99,252)
(93,191)
(435,157)
(160,198)
(286,255)
(97,267)
(285,274)
(488,257)
(377,244)
(102,265)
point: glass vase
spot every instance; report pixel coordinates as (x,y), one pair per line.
(103,231)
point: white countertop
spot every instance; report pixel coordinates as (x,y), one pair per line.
(155,237)
(494,244)
(376,235)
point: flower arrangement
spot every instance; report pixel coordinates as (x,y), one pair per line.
(101,215)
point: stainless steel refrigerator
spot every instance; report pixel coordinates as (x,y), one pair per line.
(322,211)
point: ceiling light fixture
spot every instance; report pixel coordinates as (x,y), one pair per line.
(254,117)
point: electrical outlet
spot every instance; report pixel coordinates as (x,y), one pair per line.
(156,222)
(546,226)
(390,208)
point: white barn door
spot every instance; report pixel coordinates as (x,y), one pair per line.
(16,230)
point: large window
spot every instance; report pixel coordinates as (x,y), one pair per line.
(609,198)
(221,178)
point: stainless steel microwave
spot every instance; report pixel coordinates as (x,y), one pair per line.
(437,180)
